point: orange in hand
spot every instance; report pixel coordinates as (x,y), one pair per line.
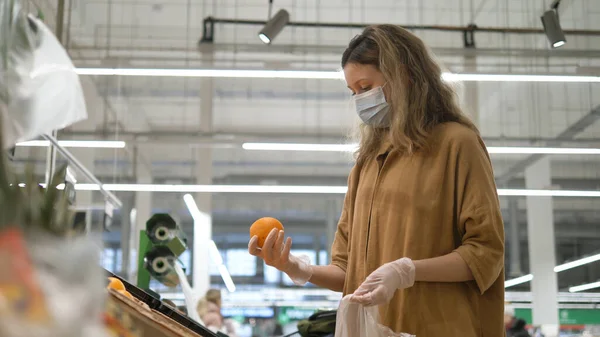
(262,227)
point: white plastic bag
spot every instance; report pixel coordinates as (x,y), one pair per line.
(356,320)
(40,88)
(191,297)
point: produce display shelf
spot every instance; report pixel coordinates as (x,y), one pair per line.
(158,306)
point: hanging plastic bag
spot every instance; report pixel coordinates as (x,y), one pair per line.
(39,87)
(356,320)
(190,296)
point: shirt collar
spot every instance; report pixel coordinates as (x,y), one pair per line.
(384,148)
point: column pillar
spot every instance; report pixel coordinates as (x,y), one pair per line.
(317,247)
(203,231)
(141,211)
(333,211)
(84,199)
(515,241)
(126,225)
(540,229)
(471,91)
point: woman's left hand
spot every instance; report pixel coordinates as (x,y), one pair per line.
(380,286)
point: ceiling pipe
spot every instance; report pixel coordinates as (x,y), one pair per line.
(239,137)
(468,31)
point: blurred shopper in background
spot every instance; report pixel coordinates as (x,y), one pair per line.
(228,325)
(210,314)
(515,327)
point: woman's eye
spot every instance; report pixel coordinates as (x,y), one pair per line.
(365,89)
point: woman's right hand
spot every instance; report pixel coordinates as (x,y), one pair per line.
(276,253)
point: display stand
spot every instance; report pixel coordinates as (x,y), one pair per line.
(159,313)
(77,164)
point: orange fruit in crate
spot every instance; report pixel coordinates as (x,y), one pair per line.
(116,284)
(262,227)
(126,293)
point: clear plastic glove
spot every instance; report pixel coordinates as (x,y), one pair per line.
(380,286)
(276,253)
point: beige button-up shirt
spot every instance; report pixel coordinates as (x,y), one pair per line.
(421,206)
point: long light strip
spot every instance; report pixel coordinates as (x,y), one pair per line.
(224,73)
(297,189)
(299,147)
(541,150)
(584,287)
(452,77)
(577,263)
(226,278)
(547,193)
(213,251)
(330,75)
(353,147)
(216,188)
(518,280)
(102,144)
(557,269)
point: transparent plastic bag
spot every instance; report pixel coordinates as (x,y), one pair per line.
(190,295)
(66,273)
(39,87)
(356,320)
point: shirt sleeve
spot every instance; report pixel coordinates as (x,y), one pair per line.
(480,225)
(339,248)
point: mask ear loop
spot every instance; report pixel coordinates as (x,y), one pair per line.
(384,97)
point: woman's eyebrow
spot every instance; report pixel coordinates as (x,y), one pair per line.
(358,81)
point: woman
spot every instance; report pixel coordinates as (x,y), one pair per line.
(214,296)
(210,314)
(420,234)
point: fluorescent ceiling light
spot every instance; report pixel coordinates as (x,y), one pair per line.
(213,251)
(300,147)
(518,280)
(226,278)
(216,188)
(226,73)
(294,189)
(557,269)
(547,193)
(577,263)
(102,144)
(190,203)
(584,287)
(452,77)
(325,75)
(541,150)
(353,147)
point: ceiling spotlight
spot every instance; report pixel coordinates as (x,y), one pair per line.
(274,26)
(552,28)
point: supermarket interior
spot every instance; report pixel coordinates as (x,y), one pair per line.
(170,127)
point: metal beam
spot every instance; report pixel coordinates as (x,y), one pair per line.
(77,164)
(235,137)
(333,50)
(338,50)
(567,135)
(208,37)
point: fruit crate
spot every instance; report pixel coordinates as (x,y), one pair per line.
(153,317)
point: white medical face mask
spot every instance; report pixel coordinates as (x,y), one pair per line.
(372,108)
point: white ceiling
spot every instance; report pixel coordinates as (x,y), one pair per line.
(165,34)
